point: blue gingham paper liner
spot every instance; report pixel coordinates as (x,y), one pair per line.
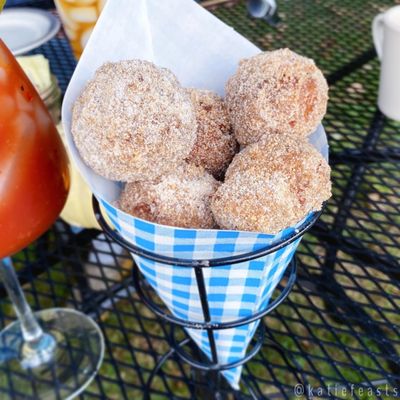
(233,291)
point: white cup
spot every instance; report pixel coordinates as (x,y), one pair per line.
(386,34)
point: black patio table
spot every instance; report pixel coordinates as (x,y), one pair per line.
(337,334)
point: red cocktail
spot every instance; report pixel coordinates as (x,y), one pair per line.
(53,353)
(34,178)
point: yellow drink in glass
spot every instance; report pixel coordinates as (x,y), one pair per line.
(79,17)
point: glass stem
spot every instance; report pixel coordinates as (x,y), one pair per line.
(31,330)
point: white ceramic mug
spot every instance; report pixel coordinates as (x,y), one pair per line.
(386,34)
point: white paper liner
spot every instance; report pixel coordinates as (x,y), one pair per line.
(203,52)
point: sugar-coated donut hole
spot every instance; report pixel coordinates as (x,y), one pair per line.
(133,121)
(215,144)
(276,92)
(271,185)
(180,199)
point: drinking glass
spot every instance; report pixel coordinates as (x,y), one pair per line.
(79,18)
(54,353)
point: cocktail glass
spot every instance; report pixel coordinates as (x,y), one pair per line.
(55,353)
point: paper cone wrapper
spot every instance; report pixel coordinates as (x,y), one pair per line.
(203,52)
(233,291)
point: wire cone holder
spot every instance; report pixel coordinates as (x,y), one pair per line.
(208,327)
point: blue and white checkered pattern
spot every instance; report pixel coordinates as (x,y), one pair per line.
(234,291)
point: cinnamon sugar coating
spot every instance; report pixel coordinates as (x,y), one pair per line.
(133,121)
(180,199)
(271,185)
(215,145)
(276,92)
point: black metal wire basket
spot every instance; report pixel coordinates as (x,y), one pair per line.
(178,347)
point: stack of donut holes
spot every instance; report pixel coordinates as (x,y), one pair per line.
(192,159)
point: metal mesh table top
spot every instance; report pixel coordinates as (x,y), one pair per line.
(340,325)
